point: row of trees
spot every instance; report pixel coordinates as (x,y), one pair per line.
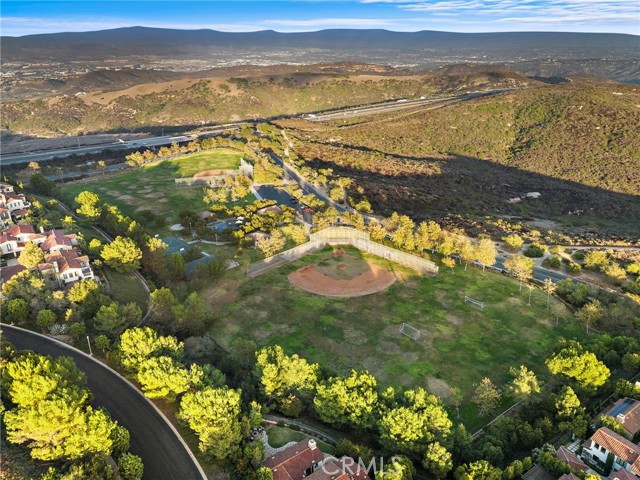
(45,406)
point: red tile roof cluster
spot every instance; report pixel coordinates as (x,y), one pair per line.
(569,457)
(7,273)
(569,476)
(619,445)
(294,462)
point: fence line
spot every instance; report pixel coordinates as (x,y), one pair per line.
(342,236)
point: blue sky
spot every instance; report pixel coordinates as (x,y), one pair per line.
(611,16)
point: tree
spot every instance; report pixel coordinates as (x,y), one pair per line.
(281,375)
(570,414)
(46,318)
(486,253)
(272,244)
(520,267)
(437,460)
(449,262)
(264,473)
(130,467)
(89,205)
(122,255)
(102,342)
(138,344)
(102,166)
(120,441)
(418,420)
(162,299)
(399,467)
(176,267)
(18,309)
(590,314)
(214,415)
(524,383)
(583,366)
(548,287)
(480,470)
(348,401)
(163,377)
(77,329)
(513,242)
(467,251)
(446,245)
(31,256)
(35,166)
(427,236)
(115,318)
(596,259)
(486,396)
(79,291)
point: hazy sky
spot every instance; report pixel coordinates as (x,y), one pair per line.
(612,16)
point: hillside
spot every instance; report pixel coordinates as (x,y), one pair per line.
(256,94)
(575,144)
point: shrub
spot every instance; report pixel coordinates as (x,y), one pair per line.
(535,250)
(574,267)
(552,262)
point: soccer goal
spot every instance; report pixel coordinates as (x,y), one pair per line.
(409,331)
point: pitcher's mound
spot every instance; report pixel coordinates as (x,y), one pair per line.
(312,279)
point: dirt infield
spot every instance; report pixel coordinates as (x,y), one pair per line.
(309,278)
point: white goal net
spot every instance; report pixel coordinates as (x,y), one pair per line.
(409,331)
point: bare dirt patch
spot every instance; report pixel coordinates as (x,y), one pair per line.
(211,173)
(375,279)
(438,387)
(455,320)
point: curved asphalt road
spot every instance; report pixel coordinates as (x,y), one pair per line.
(163,452)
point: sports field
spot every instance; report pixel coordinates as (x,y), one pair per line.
(152,187)
(460,343)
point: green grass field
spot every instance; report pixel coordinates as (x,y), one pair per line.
(280,436)
(153,188)
(460,343)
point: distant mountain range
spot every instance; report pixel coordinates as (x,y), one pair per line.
(614,56)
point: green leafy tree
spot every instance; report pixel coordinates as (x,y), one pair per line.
(79,291)
(486,253)
(467,251)
(480,470)
(348,401)
(399,467)
(214,415)
(631,361)
(163,377)
(31,256)
(437,460)
(115,318)
(120,441)
(418,420)
(176,267)
(583,366)
(590,314)
(520,267)
(486,396)
(596,259)
(130,467)
(272,244)
(524,383)
(122,255)
(569,412)
(77,329)
(427,236)
(264,473)
(138,344)
(89,205)
(162,301)
(281,375)
(102,342)
(46,318)
(18,309)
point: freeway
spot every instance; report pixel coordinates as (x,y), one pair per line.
(401,104)
(153,438)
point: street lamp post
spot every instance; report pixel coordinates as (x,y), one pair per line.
(89,343)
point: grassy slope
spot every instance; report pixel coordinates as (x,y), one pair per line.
(152,187)
(280,436)
(460,343)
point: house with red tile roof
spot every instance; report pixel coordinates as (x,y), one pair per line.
(67,266)
(58,240)
(627,413)
(296,462)
(571,459)
(6,187)
(603,442)
(7,273)
(14,239)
